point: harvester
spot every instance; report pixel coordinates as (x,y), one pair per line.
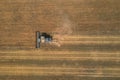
(42,37)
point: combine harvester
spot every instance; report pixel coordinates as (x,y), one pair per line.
(42,38)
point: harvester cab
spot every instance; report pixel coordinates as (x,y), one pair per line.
(42,38)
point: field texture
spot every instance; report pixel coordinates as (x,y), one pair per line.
(86,43)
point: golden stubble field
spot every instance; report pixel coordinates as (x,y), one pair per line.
(86,34)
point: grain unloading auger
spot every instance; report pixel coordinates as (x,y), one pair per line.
(42,38)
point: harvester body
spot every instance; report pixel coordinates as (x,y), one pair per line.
(42,38)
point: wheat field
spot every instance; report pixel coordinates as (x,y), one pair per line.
(86,34)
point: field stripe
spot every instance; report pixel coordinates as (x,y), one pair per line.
(58,71)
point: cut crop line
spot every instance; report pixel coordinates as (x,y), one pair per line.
(55,68)
(57,58)
(90,42)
